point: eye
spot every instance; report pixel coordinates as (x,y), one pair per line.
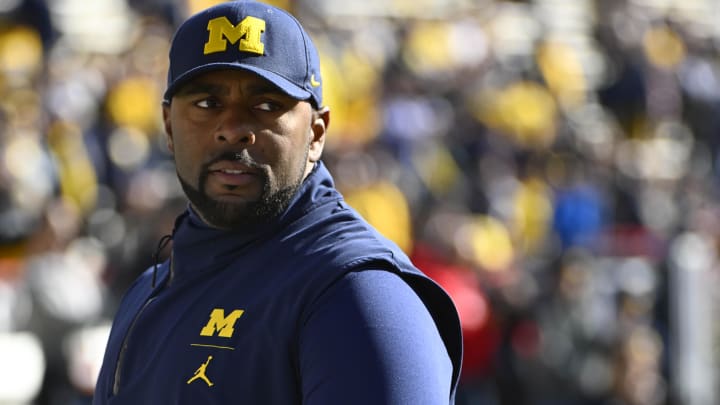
(268,106)
(207,103)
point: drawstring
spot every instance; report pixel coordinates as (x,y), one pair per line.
(156,256)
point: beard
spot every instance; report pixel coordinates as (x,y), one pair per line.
(273,201)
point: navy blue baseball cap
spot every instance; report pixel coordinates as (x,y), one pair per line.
(251,36)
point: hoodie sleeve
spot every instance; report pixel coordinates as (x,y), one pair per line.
(370,340)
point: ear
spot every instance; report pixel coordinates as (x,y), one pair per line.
(318,130)
(168,126)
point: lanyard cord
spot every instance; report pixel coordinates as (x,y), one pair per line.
(156,256)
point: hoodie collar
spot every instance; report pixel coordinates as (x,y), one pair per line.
(200,247)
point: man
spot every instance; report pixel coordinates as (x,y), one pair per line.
(276,292)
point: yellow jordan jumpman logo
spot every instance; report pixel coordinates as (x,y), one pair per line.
(200,373)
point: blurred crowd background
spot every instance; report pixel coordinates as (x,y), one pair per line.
(552,163)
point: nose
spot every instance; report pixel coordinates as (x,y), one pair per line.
(233,137)
(234,128)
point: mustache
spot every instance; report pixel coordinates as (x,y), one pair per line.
(242,157)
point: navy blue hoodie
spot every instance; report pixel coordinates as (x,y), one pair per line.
(316,308)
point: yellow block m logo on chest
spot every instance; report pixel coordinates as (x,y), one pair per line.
(223,325)
(248,33)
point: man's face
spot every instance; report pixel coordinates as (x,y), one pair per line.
(241,146)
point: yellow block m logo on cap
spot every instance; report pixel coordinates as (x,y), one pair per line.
(223,325)
(248,33)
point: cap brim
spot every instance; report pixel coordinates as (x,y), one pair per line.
(280,82)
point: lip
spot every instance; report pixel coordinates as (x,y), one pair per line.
(230,166)
(228,173)
(226,178)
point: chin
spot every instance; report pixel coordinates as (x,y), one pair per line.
(226,215)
